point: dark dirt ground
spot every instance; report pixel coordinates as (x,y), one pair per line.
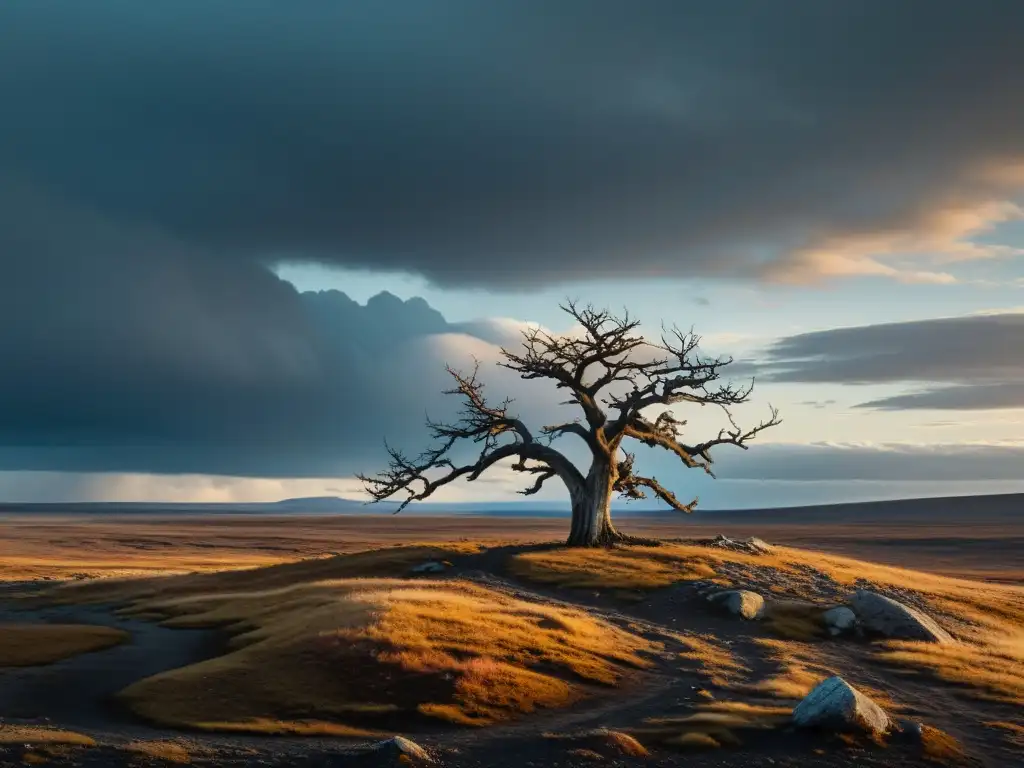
(76,693)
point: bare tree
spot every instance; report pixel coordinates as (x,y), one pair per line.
(616,377)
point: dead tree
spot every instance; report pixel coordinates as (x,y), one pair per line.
(615,377)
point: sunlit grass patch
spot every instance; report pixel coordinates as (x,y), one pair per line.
(367,653)
(165,750)
(711,658)
(35,735)
(621,568)
(602,742)
(800,669)
(387,562)
(27,645)
(937,746)
(994,671)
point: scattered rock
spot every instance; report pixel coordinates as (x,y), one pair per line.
(752,546)
(429,567)
(891,618)
(839,620)
(836,705)
(400,749)
(741,602)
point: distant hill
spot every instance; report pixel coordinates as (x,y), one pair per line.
(1002,506)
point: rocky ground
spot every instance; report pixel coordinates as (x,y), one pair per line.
(838,725)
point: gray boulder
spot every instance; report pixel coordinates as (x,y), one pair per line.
(839,620)
(741,602)
(891,618)
(835,705)
(429,567)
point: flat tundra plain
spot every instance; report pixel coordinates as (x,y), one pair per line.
(148,639)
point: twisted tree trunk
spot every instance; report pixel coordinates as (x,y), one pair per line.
(591,508)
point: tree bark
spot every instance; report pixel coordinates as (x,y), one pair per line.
(591,508)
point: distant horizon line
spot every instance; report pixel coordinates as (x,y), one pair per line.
(343,505)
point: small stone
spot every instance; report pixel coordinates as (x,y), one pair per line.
(837,706)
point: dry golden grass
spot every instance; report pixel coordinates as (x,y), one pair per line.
(35,734)
(316,651)
(603,741)
(987,618)
(1014,732)
(454,676)
(168,751)
(387,562)
(994,671)
(27,645)
(634,568)
(800,669)
(710,657)
(713,725)
(693,740)
(801,666)
(937,746)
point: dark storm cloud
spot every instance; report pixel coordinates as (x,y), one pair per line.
(510,144)
(157,157)
(180,363)
(964,363)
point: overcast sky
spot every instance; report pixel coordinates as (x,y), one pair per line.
(202,203)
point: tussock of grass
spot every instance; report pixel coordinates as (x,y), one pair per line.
(622,568)
(939,747)
(35,734)
(602,741)
(271,727)
(168,751)
(346,653)
(711,657)
(27,645)
(712,725)
(693,740)
(800,670)
(994,672)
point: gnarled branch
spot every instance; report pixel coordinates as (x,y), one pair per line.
(630,485)
(479,423)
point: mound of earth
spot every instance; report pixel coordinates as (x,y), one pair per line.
(26,645)
(347,655)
